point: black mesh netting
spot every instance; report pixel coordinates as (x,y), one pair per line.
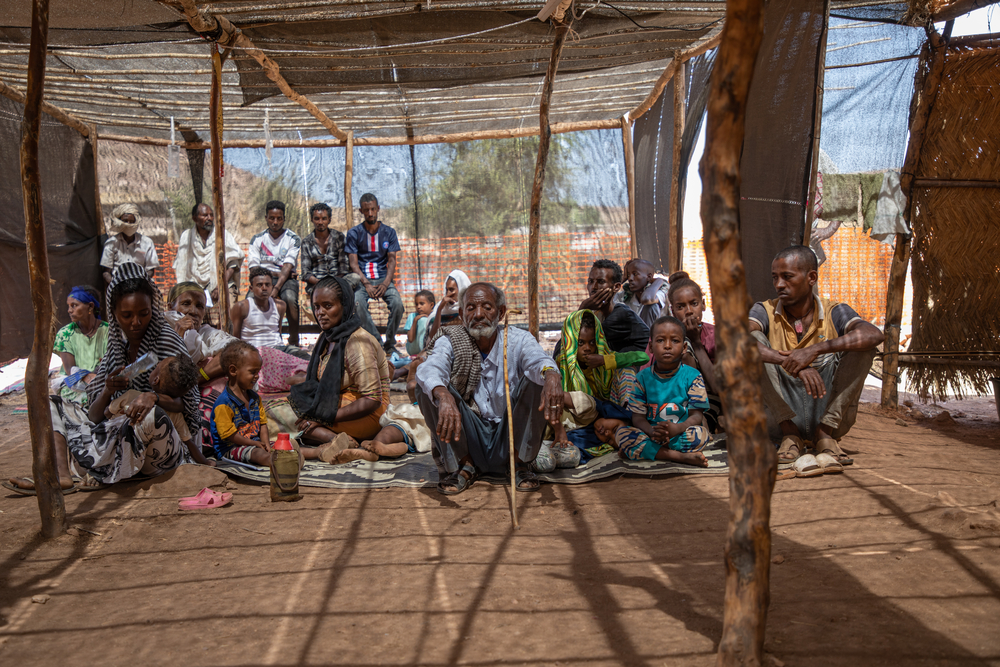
(455,206)
(71,226)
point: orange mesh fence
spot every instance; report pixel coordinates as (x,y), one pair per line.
(856,271)
(565,262)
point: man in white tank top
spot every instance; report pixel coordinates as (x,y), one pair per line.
(257,320)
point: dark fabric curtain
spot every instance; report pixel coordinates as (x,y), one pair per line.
(777,149)
(653,137)
(653,141)
(71,224)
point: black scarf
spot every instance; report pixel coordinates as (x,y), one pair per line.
(320,399)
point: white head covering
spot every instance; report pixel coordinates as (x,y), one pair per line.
(463,282)
(116,226)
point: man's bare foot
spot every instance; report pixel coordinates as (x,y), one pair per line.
(354,454)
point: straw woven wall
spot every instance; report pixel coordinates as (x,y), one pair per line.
(956,251)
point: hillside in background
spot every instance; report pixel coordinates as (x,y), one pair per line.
(138,174)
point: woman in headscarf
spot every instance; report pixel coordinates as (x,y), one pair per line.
(81,343)
(126,244)
(446,310)
(588,364)
(445,313)
(143,441)
(346,388)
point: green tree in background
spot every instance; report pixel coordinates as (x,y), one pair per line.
(483,188)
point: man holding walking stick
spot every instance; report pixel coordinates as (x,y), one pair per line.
(461,392)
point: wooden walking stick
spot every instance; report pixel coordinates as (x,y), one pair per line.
(510,422)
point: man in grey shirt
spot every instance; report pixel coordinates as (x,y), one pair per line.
(460,389)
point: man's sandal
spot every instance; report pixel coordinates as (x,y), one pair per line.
(32,492)
(456,482)
(832,447)
(791,449)
(526,476)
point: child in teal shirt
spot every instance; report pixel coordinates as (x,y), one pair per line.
(670,398)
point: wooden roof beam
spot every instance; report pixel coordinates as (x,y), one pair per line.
(223,32)
(55,112)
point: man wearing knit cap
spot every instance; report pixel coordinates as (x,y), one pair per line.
(127,244)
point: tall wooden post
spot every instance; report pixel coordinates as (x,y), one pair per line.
(630,181)
(817,125)
(97,181)
(676,225)
(348,181)
(925,90)
(752,458)
(36,377)
(215,129)
(544,139)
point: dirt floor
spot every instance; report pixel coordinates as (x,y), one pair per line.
(895,562)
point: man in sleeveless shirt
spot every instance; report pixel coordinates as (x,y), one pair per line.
(816,354)
(371,250)
(257,319)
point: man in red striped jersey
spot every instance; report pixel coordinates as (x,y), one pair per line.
(371,249)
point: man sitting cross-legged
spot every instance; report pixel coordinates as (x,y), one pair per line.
(816,353)
(461,394)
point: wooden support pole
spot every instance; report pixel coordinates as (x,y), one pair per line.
(817,125)
(752,458)
(925,90)
(98,209)
(630,181)
(948,183)
(36,377)
(349,180)
(54,111)
(676,225)
(556,128)
(544,139)
(215,127)
(670,70)
(227,34)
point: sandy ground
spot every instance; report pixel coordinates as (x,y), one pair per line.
(895,562)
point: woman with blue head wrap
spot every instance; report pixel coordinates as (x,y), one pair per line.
(81,343)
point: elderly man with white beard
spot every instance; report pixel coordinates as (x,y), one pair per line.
(460,389)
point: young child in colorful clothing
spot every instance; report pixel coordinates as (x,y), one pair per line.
(171,379)
(239,426)
(418,324)
(672,397)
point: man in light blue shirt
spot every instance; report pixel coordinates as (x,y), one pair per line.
(460,389)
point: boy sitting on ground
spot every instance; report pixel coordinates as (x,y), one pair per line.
(171,379)
(647,292)
(239,426)
(687,303)
(671,397)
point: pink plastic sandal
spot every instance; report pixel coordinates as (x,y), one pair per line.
(205,501)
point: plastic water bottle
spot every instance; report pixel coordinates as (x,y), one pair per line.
(146,362)
(284,470)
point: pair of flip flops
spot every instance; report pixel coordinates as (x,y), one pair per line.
(79,484)
(205,500)
(809,465)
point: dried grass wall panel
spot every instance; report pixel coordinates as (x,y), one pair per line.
(71,224)
(777,150)
(956,252)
